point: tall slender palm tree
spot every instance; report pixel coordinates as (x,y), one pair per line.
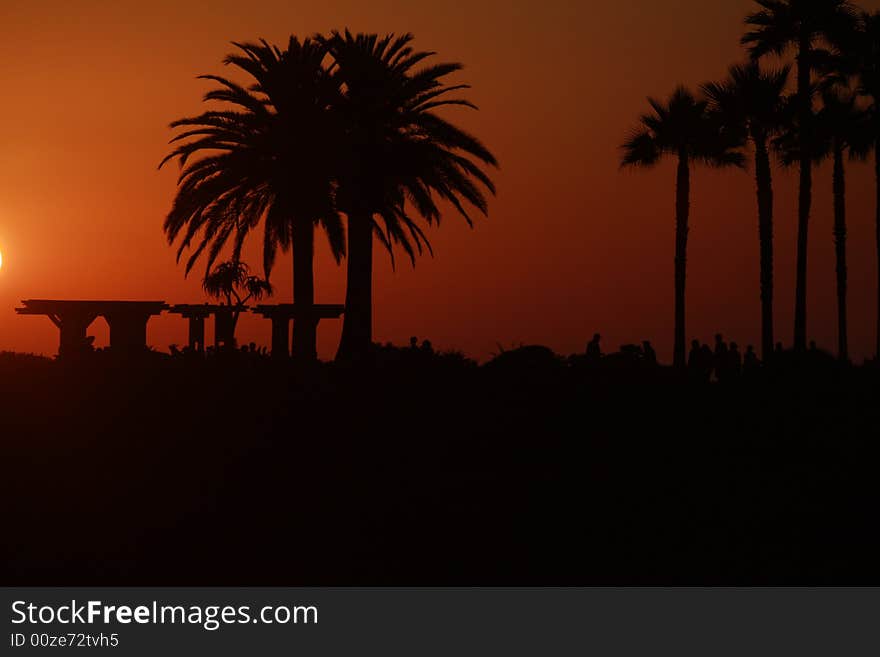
(804,25)
(400,154)
(838,129)
(842,128)
(268,157)
(751,101)
(681,127)
(863,55)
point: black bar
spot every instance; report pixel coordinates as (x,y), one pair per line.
(446,621)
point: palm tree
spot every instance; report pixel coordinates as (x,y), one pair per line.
(751,102)
(802,25)
(400,154)
(267,157)
(842,128)
(681,127)
(837,129)
(232,281)
(863,55)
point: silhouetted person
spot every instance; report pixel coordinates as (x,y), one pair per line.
(720,357)
(594,350)
(734,360)
(649,354)
(751,364)
(694,355)
(427,347)
(700,362)
(707,361)
(813,347)
(413,343)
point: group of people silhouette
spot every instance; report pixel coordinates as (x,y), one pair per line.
(725,361)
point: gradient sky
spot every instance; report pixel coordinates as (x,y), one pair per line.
(572,246)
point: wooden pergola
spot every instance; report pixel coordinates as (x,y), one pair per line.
(224,330)
(127,321)
(283,313)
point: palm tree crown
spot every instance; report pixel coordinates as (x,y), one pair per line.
(750,99)
(400,146)
(267,159)
(865,50)
(681,126)
(782,24)
(841,123)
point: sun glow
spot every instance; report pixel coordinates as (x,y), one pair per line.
(1,259)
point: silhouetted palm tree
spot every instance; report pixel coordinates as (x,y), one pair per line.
(836,129)
(232,281)
(268,159)
(399,154)
(751,101)
(800,24)
(681,127)
(863,55)
(842,128)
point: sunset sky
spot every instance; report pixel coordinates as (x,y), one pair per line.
(573,245)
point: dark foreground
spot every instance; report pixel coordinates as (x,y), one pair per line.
(430,470)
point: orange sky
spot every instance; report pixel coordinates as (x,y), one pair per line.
(572,244)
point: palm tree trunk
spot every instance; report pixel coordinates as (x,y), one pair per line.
(877,228)
(682,207)
(804,197)
(839,191)
(357,326)
(304,347)
(764,182)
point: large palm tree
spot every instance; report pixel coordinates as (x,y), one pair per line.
(804,25)
(267,158)
(751,101)
(401,159)
(683,128)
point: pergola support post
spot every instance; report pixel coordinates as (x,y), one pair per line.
(280,336)
(197,333)
(72,328)
(128,332)
(281,316)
